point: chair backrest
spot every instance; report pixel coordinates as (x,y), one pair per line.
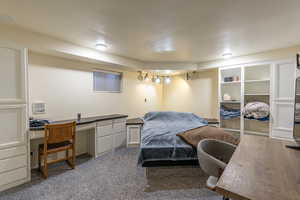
(213,156)
(55,133)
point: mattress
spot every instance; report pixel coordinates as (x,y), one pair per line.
(159,142)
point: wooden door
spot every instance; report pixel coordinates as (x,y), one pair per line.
(13,116)
(282,98)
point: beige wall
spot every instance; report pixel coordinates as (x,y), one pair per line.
(276,54)
(199,95)
(67,89)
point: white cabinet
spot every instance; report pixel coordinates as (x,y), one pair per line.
(120,139)
(133,135)
(14,153)
(104,144)
(110,134)
(104,130)
(272,83)
(284,76)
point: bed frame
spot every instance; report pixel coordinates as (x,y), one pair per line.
(173,171)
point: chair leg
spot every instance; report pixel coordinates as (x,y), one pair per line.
(39,160)
(73,157)
(45,168)
(68,160)
(67,156)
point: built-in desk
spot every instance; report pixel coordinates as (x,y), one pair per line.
(262,169)
(83,124)
(95,135)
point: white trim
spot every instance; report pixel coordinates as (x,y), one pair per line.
(107,71)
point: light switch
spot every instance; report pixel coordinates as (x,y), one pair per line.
(38,108)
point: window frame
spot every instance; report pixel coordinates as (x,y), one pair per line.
(109,72)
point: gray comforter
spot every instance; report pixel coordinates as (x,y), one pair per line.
(159,140)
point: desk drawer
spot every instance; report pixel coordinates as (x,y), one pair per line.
(119,127)
(12,176)
(104,130)
(13,163)
(120,139)
(104,144)
(83,127)
(11,152)
(120,120)
(104,123)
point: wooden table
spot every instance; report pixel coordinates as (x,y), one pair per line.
(262,169)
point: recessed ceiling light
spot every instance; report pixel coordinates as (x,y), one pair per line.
(101,46)
(227,55)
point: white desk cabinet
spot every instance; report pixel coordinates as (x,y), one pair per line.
(134,127)
(94,136)
(14,156)
(110,134)
(133,135)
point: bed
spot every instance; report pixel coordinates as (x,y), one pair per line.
(159,144)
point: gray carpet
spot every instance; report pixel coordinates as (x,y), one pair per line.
(110,177)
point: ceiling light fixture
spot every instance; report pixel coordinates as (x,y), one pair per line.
(227,55)
(101,46)
(157,80)
(140,76)
(167,80)
(147,78)
(153,79)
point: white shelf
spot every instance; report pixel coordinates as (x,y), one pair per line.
(256,133)
(265,121)
(257,94)
(232,82)
(255,84)
(230,129)
(230,102)
(257,81)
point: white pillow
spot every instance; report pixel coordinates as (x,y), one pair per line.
(257,110)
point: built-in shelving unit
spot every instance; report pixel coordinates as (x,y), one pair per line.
(250,83)
(233,90)
(257,82)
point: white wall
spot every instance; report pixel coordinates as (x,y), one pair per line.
(67,89)
(199,95)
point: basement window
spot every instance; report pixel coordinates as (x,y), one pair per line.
(106,81)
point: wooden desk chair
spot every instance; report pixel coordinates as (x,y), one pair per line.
(58,137)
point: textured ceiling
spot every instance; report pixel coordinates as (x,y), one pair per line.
(163,30)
